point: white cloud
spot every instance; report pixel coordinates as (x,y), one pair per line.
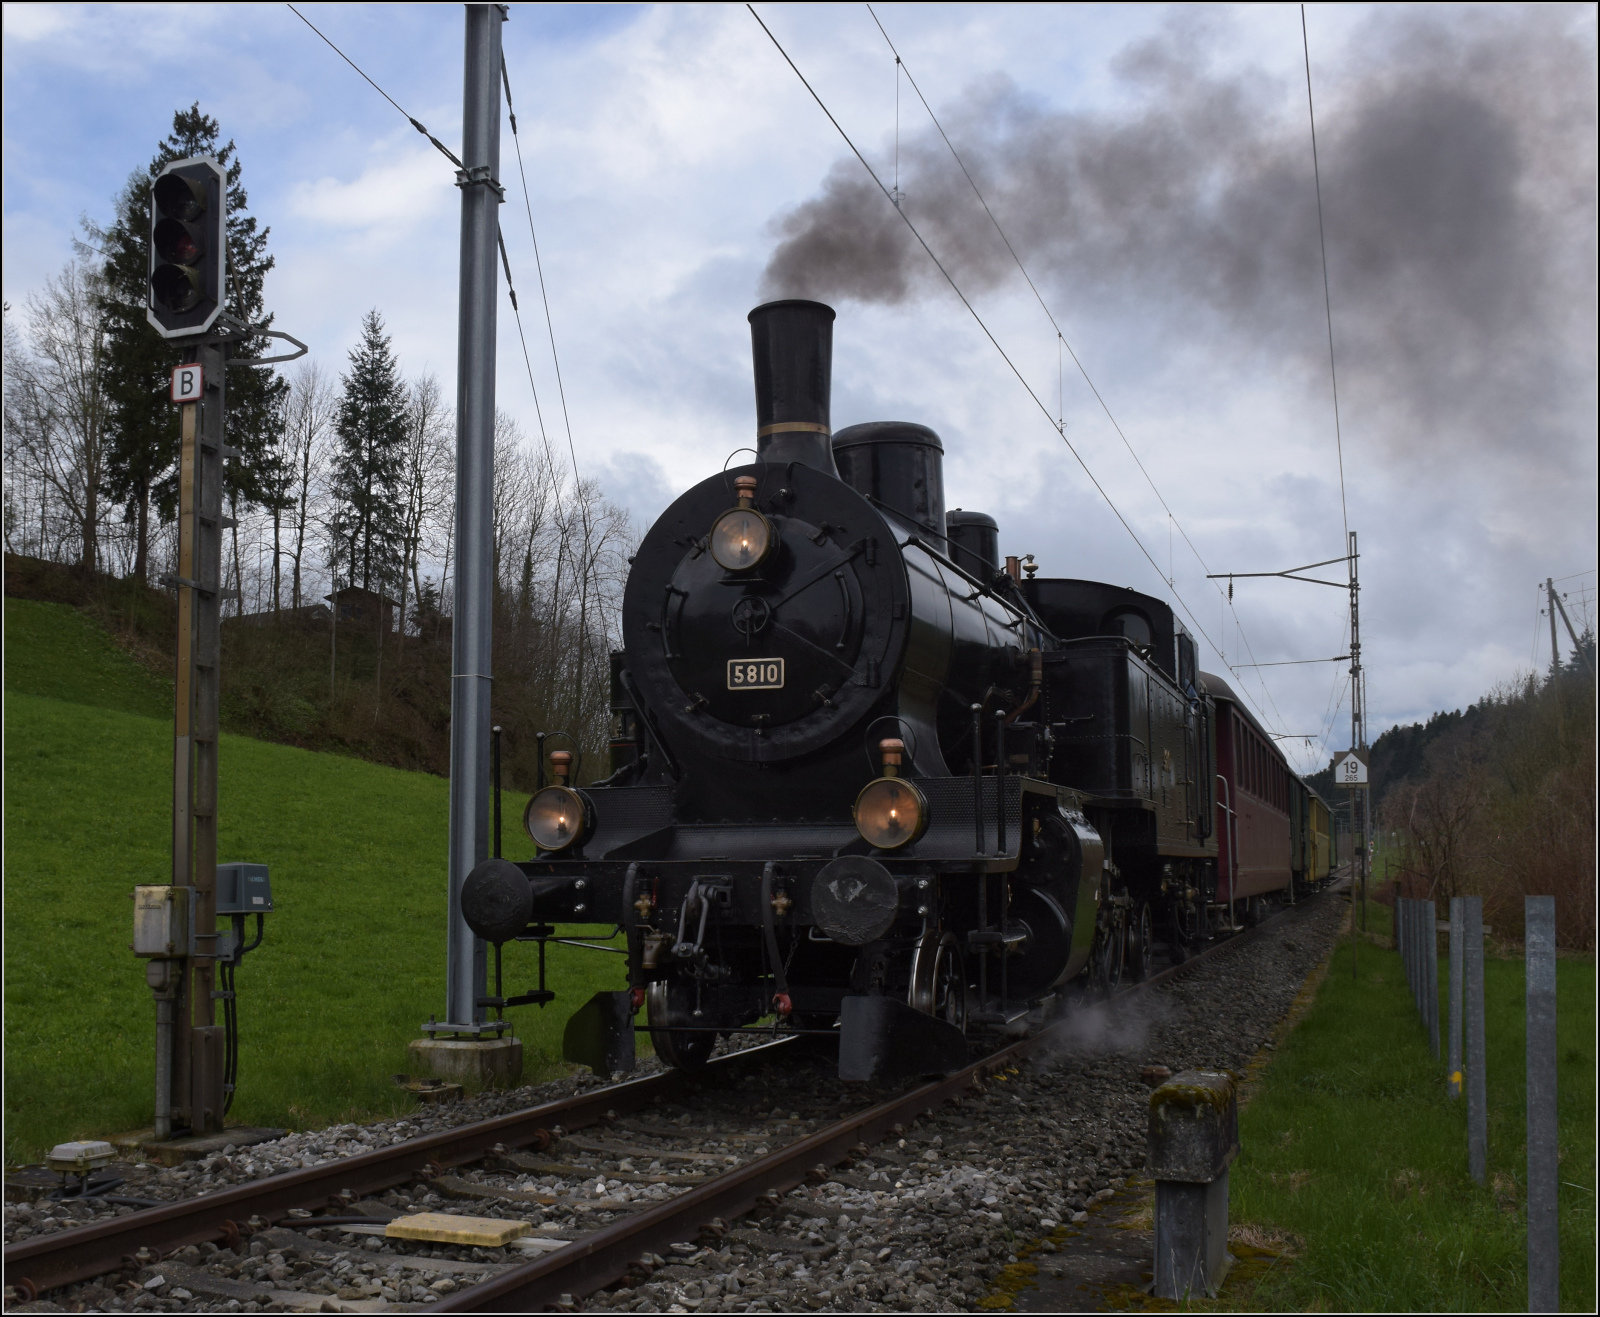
(659,147)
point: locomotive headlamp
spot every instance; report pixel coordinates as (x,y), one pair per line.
(890,811)
(557,816)
(741,537)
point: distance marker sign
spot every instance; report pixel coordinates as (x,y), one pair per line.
(188,382)
(1350,768)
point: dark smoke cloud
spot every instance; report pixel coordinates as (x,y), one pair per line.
(1458,174)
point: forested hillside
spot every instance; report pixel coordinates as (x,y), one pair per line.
(1401,753)
(301,680)
(1499,800)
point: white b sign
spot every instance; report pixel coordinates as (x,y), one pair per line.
(1350,768)
(187,383)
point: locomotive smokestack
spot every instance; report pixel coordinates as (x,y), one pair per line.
(792,343)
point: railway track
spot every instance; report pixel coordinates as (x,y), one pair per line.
(537,1158)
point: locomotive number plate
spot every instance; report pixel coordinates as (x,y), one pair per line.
(755,674)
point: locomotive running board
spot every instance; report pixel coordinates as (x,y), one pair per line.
(883,1040)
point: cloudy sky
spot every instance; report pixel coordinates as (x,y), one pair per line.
(1152,169)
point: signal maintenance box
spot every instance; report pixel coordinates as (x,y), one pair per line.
(243,889)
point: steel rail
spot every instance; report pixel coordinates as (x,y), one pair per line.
(51,1261)
(604,1255)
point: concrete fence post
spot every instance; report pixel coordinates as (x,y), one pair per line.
(1400,943)
(1477,1087)
(1539,942)
(1413,949)
(1194,1137)
(1457,985)
(1430,970)
(1420,919)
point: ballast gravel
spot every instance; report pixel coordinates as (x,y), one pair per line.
(927,1222)
(923,1222)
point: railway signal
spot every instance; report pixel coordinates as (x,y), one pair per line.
(188,247)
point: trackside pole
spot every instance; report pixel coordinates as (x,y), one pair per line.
(1477,1088)
(1539,942)
(1420,957)
(1404,936)
(1457,988)
(1430,969)
(481,194)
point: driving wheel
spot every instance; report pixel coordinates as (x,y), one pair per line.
(939,980)
(671,1004)
(1139,938)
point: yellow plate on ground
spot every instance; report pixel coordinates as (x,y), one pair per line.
(468,1231)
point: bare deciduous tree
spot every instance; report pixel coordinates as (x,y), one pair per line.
(307,425)
(427,492)
(55,398)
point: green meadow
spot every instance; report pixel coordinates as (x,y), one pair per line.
(1352,1149)
(353,961)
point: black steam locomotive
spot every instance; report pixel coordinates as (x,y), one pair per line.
(867,780)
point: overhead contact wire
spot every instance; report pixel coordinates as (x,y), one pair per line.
(1076,361)
(505,263)
(1327,296)
(1039,297)
(1066,343)
(555,358)
(956,288)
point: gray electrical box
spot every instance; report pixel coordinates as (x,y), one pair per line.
(243,889)
(161,921)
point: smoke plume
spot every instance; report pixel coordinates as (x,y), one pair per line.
(1458,178)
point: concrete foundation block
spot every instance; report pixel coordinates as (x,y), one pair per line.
(1191,1238)
(1194,1127)
(473,1063)
(1194,1137)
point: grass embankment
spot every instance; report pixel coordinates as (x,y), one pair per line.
(353,960)
(1352,1146)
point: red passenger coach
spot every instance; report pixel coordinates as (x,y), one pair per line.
(1253,785)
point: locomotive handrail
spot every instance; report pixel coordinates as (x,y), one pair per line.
(646,722)
(818,574)
(1023,610)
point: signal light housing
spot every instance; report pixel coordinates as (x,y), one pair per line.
(188,247)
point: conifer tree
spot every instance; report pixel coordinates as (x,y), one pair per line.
(368,522)
(143,454)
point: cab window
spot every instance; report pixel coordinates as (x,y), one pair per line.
(1130,623)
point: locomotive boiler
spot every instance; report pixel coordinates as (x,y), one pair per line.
(867,781)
